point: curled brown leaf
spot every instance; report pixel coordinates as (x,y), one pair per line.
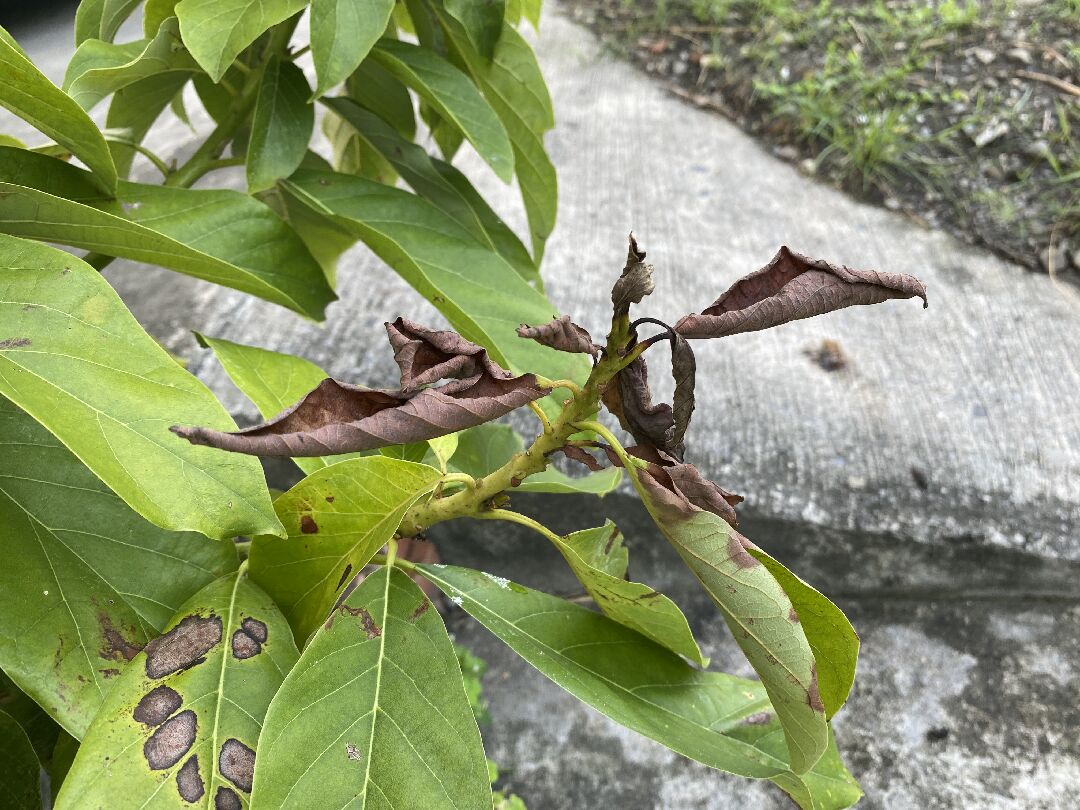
(792,287)
(561,334)
(635,282)
(340,418)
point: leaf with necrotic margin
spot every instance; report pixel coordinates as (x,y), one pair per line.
(561,334)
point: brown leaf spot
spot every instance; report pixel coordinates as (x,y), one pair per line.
(114,646)
(308,524)
(759,719)
(227,799)
(793,616)
(345,576)
(157,705)
(421,609)
(737,552)
(255,629)
(171,741)
(615,533)
(189,782)
(244,646)
(14,343)
(184,646)
(109,673)
(237,764)
(353,753)
(373,630)
(329,498)
(813,694)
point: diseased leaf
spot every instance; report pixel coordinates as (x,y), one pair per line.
(336,518)
(216,235)
(791,287)
(601,548)
(342,418)
(475,289)
(635,283)
(526,116)
(25,91)
(99,68)
(720,720)
(281,125)
(561,334)
(629,397)
(374,714)
(832,638)
(453,96)
(20,778)
(180,726)
(215,31)
(439,182)
(483,22)
(488,447)
(74,358)
(684,369)
(632,604)
(757,610)
(342,34)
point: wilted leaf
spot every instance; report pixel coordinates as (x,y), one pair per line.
(757,610)
(632,604)
(30,95)
(683,369)
(832,638)
(635,283)
(281,125)
(216,31)
(336,518)
(76,360)
(90,580)
(720,720)
(374,715)
(791,287)
(180,726)
(453,96)
(341,418)
(342,34)
(20,777)
(629,397)
(561,334)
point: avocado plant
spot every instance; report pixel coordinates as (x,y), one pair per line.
(174,634)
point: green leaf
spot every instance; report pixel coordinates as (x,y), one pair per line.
(342,34)
(440,183)
(761,618)
(282,125)
(20,778)
(336,519)
(100,68)
(515,89)
(476,290)
(181,723)
(485,448)
(135,108)
(379,91)
(719,720)
(155,12)
(374,715)
(443,449)
(453,95)
(89,581)
(832,639)
(632,604)
(827,786)
(42,731)
(215,31)
(25,91)
(101,19)
(76,360)
(483,22)
(216,235)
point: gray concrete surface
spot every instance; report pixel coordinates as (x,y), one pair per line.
(933,486)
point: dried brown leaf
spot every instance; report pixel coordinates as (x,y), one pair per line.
(628,397)
(581,456)
(684,369)
(340,418)
(561,334)
(635,282)
(792,287)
